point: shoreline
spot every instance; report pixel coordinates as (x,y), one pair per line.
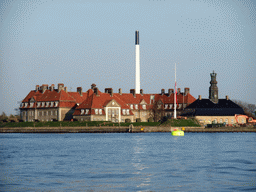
(121,129)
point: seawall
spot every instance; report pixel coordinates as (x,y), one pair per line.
(120,129)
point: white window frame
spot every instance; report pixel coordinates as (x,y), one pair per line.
(26,104)
(96,111)
(226,120)
(165,106)
(136,106)
(82,112)
(100,111)
(42,104)
(52,103)
(171,105)
(127,111)
(56,104)
(124,112)
(143,106)
(31,104)
(131,106)
(86,111)
(47,104)
(38,104)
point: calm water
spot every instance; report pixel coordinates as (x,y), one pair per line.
(128,162)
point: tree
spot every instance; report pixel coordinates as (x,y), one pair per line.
(3,117)
(157,111)
(248,108)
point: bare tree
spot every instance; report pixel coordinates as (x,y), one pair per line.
(249,109)
(157,111)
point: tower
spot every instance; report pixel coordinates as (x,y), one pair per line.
(213,89)
(137,62)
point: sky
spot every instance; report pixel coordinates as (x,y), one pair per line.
(81,42)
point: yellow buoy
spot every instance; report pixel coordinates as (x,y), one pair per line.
(178,133)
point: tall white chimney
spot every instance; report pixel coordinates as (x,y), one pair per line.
(137,60)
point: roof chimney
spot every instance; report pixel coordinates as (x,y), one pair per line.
(162,91)
(109,90)
(60,87)
(65,89)
(52,87)
(227,97)
(200,97)
(133,92)
(186,91)
(141,92)
(93,86)
(170,91)
(37,88)
(79,90)
(44,87)
(120,91)
(178,91)
(96,91)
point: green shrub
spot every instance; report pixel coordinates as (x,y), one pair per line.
(128,121)
(138,120)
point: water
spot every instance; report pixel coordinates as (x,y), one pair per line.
(128,162)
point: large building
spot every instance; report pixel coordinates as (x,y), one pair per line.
(48,104)
(215,110)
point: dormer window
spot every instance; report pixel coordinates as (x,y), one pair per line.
(86,111)
(143,106)
(96,111)
(136,106)
(38,104)
(22,104)
(52,103)
(47,104)
(100,111)
(42,104)
(127,111)
(56,104)
(31,104)
(26,104)
(131,106)
(165,106)
(171,106)
(180,105)
(123,111)
(158,106)
(82,111)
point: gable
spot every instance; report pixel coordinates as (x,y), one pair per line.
(113,103)
(143,102)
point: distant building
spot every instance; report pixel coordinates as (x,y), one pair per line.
(215,110)
(48,104)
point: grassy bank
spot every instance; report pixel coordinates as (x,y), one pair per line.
(181,123)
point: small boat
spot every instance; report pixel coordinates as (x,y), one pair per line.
(177,133)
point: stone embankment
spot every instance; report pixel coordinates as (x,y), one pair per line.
(130,129)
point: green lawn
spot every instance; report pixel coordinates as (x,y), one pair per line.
(181,123)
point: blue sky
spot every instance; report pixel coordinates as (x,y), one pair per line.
(83,42)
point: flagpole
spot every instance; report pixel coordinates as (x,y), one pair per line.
(175,116)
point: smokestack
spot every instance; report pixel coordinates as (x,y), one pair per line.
(133,92)
(110,91)
(141,92)
(178,92)
(96,91)
(120,91)
(44,87)
(52,87)
(200,97)
(227,97)
(162,91)
(66,89)
(137,62)
(186,91)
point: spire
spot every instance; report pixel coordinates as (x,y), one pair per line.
(213,89)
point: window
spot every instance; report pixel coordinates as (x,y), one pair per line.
(226,120)
(171,106)
(56,104)
(158,106)
(131,106)
(42,104)
(24,114)
(143,106)
(86,111)
(232,121)
(21,105)
(32,113)
(45,113)
(242,120)
(220,120)
(165,106)
(31,104)
(26,104)
(82,111)
(127,111)
(47,104)
(100,111)
(136,106)
(38,104)
(51,113)
(124,112)
(180,105)
(96,111)
(52,103)
(38,113)
(56,113)
(117,111)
